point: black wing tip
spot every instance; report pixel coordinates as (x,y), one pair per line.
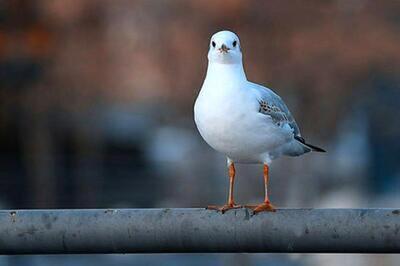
(315,148)
(312,147)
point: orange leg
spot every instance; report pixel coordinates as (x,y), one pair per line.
(231,204)
(266,205)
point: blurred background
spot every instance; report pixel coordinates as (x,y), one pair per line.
(96,100)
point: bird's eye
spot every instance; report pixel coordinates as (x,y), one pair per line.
(234,43)
(213,44)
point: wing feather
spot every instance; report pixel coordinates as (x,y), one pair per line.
(272,105)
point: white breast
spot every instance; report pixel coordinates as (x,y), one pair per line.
(227,118)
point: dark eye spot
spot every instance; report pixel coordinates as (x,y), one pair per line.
(234,43)
(213,44)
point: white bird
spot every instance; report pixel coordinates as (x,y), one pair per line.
(247,122)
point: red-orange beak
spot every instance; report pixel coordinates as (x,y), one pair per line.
(224,49)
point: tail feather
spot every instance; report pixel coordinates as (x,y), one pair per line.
(312,147)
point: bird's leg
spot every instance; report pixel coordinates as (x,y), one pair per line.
(266,205)
(231,172)
(231,204)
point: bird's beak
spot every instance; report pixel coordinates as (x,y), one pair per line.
(224,49)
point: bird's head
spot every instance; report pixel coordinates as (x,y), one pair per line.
(225,48)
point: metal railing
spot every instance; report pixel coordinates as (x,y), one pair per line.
(199,230)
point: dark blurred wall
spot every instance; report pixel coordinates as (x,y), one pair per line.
(86,87)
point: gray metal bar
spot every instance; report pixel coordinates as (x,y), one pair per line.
(199,230)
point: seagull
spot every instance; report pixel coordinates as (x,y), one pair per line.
(247,122)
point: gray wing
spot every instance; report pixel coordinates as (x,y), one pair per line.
(271,104)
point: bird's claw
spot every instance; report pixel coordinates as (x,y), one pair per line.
(224,208)
(265,206)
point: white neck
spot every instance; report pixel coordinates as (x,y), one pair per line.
(225,73)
